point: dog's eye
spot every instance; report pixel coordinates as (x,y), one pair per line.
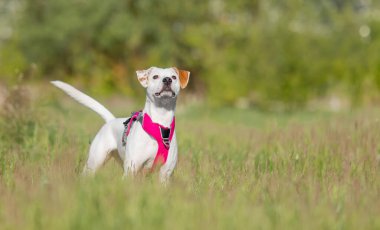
(174,77)
(155,77)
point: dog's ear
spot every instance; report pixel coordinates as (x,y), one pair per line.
(184,77)
(142,76)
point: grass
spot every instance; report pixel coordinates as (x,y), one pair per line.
(237,169)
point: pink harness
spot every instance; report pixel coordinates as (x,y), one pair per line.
(163,135)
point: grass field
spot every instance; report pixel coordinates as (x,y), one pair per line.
(237,169)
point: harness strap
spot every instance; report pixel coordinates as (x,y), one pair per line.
(163,135)
(135,116)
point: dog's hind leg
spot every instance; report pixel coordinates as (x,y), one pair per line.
(102,145)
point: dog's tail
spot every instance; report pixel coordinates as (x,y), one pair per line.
(85,100)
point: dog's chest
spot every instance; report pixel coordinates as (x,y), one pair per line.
(139,144)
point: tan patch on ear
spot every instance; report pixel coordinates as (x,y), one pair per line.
(142,76)
(184,77)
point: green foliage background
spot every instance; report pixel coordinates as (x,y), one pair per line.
(237,169)
(273,54)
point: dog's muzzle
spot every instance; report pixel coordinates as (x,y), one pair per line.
(166,91)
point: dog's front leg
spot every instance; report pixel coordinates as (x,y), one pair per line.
(167,169)
(132,164)
(130,168)
(164,176)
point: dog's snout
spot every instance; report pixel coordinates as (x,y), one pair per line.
(167,80)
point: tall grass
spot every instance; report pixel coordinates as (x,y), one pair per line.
(237,169)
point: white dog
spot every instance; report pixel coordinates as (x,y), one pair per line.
(145,139)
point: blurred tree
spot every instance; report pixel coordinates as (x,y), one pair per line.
(272,54)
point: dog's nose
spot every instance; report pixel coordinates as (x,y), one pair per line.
(167,80)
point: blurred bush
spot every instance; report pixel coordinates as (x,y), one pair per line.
(269,54)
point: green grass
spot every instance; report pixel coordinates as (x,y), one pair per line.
(237,169)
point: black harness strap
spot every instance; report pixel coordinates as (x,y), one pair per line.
(126,125)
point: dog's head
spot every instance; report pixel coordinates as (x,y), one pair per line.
(163,83)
